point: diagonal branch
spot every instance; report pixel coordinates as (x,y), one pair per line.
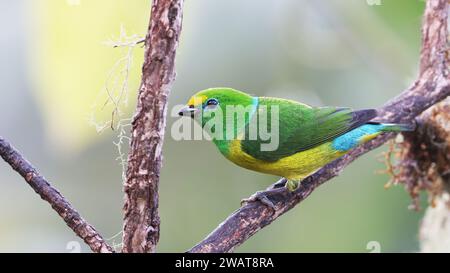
(432,86)
(141,217)
(40,185)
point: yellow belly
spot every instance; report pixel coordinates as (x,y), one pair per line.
(294,167)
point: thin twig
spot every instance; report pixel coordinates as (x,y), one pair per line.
(48,193)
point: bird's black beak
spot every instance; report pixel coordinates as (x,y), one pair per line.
(188,111)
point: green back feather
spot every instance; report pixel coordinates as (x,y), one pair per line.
(302,127)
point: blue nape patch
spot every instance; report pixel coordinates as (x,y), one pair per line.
(351,139)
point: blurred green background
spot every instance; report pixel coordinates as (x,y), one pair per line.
(58,62)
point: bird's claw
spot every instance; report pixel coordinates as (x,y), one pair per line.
(259,196)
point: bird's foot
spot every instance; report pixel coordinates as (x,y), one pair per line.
(259,196)
(292,185)
(277,188)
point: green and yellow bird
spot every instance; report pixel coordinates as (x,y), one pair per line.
(308,137)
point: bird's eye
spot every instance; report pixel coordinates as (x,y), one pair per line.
(212,102)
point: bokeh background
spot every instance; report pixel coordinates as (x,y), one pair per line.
(58,65)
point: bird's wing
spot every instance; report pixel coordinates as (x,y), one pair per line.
(302,127)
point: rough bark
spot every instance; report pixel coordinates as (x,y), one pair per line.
(432,86)
(141,218)
(42,187)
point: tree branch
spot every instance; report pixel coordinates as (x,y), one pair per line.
(141,218)
(40,185)
(432,86)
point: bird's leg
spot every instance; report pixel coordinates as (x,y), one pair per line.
(292,185)
(280,184)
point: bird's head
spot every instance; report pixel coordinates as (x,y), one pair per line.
(208,101)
